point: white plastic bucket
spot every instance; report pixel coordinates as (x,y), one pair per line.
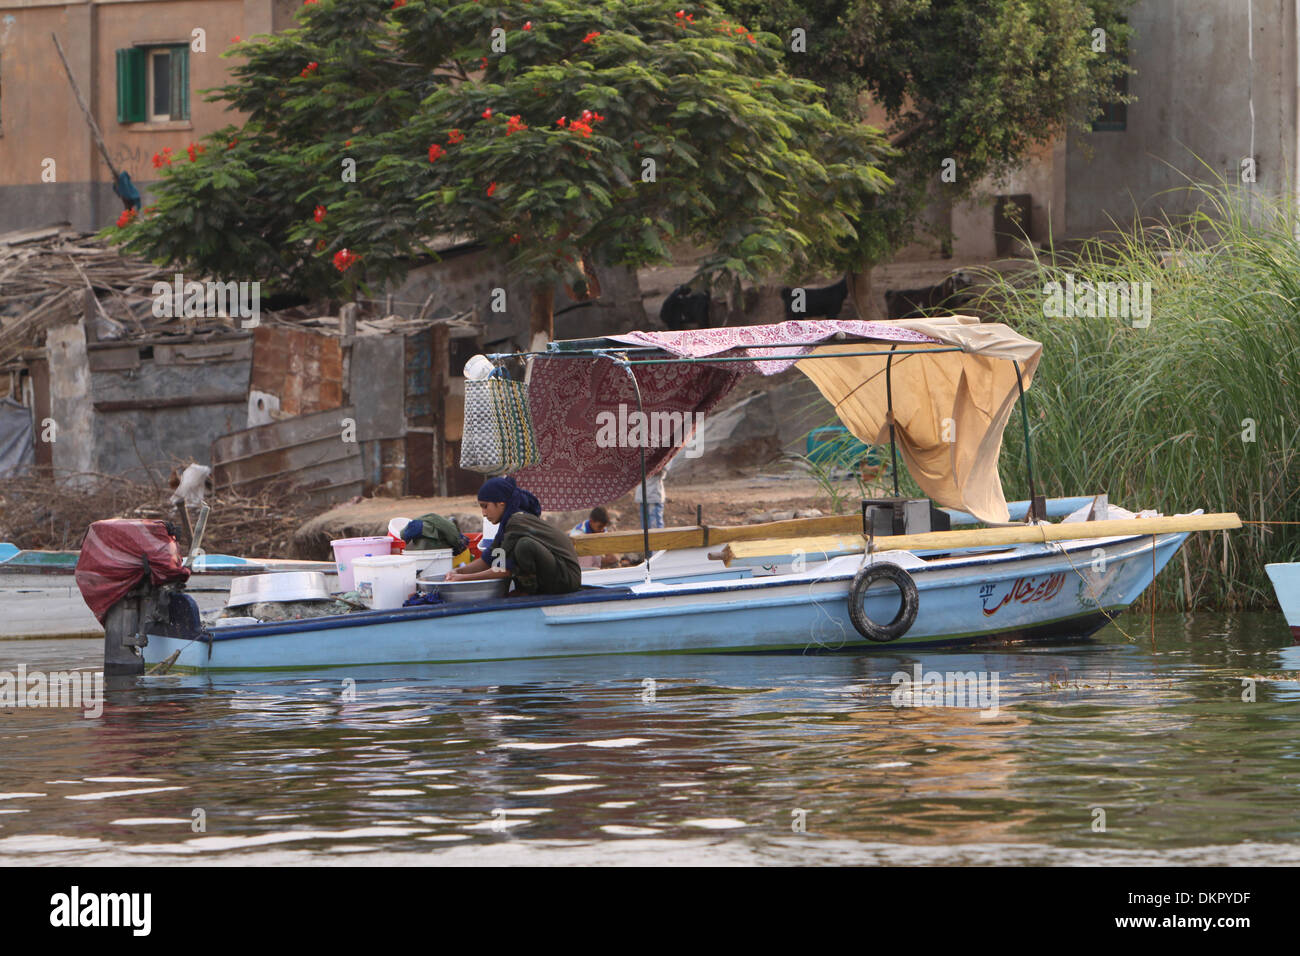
(348,549)
(385,581)
(433,563)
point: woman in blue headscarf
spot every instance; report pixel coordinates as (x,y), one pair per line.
(539,557)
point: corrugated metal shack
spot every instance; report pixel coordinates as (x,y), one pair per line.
(375,411)
(337,407)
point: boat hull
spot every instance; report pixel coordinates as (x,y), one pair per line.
(1031,592)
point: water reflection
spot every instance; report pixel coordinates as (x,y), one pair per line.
(578,752)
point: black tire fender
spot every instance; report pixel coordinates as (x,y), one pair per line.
(902,622)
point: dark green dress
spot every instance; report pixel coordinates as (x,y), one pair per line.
(540,556)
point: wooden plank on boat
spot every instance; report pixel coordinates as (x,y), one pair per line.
(979,537)
(694,536)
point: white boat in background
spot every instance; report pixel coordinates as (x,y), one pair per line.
(1286,585)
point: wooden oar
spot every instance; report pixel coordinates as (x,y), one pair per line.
(982,537)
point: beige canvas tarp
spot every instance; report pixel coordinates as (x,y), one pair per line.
(949,407)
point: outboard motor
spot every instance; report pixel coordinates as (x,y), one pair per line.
(123,573)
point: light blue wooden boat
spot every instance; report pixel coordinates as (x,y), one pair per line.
(1027,592)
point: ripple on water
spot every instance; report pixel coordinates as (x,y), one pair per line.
(1160,737)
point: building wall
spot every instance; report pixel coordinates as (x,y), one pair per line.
(127,439)
(1198,70)
(40,119)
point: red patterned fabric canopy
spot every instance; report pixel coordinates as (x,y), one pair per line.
(568,395)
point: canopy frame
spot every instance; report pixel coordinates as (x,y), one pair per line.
(623,356)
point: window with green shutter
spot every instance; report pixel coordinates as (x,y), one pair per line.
(131,85)
(180,83)
(153,84)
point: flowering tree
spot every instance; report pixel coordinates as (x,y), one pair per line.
(559,130)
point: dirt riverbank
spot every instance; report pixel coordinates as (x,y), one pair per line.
(724,502)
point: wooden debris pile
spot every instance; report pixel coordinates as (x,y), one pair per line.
(46,273)
(39,513)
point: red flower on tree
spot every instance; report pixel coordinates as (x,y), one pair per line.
(591,37)
(320,245)
(487,113)
(128,216)
(454,137)
(528,25)
(320,213)
(343,260)
(311,67)
(491,189)
(515,124)
(562,121)
(398,3)
(436,152)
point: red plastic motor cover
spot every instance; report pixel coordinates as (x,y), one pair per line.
(113,556)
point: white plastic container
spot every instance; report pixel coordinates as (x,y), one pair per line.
(433,563)
(384,581)
(348,549)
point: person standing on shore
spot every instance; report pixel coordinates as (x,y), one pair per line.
(654,500)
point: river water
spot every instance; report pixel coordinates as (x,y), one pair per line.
(1110,750)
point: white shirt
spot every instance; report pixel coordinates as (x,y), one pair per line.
(654,489)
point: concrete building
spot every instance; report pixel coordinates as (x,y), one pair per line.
(1217,94)
(139,64)
(1216,89)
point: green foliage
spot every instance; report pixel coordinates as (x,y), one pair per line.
(749,163)
(978,82)
(1156,416)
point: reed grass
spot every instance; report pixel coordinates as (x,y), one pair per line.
(1160,417)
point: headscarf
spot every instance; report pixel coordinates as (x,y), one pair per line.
(515,498)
